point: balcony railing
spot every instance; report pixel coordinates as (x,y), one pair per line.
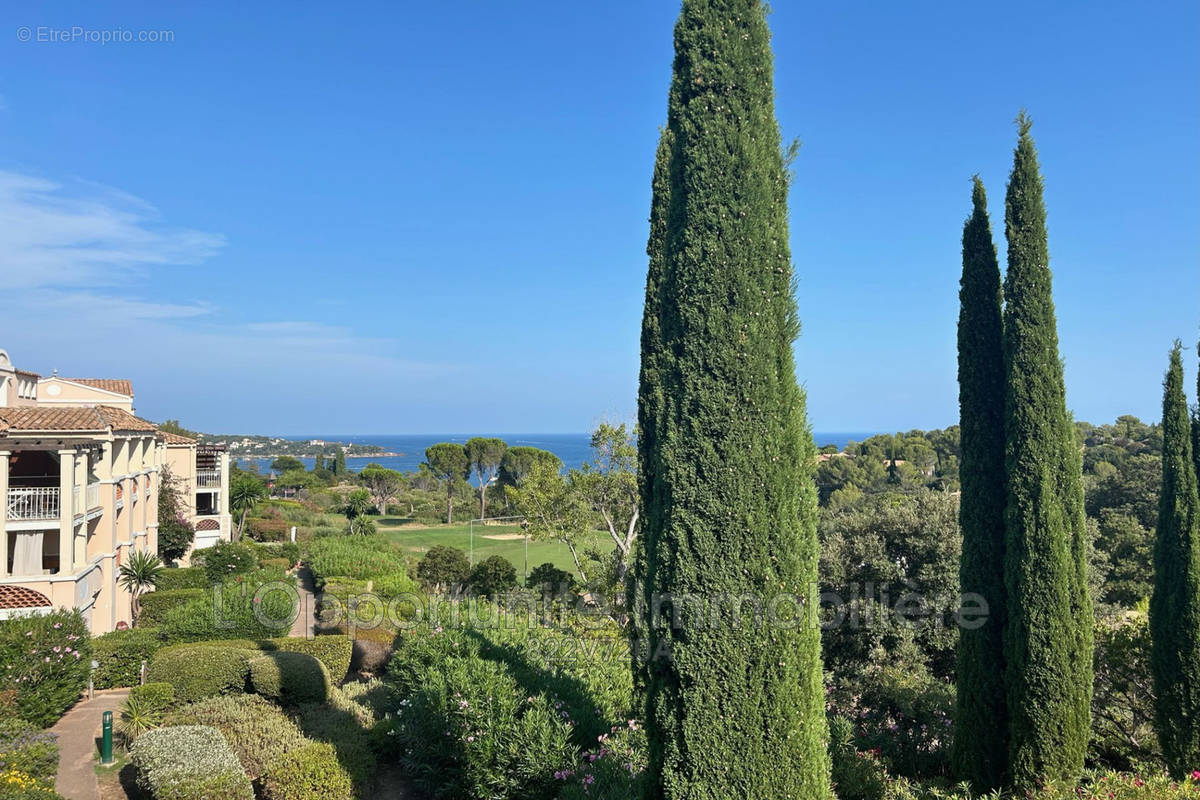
(40,502)
(208,479)
(93,496)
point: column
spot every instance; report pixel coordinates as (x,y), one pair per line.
(81,476)
(66,512)
(4,454)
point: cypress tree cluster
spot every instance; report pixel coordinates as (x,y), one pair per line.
(979,753)
(733,708)
(1175,602)
(1048,636)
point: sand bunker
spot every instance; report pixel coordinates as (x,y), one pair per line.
(504,537)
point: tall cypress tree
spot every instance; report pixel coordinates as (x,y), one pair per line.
(980,743)
(1175,603)
(654,365)
(1048,634)
(734,705)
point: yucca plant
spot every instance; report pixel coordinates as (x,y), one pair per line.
(138,715)
(139,576)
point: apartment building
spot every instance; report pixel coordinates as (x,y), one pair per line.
(79,484)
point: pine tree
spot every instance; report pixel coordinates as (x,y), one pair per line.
(981,742)
(1048,633)
(734,707)
(1175,603)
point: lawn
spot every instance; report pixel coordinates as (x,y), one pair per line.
(418,538)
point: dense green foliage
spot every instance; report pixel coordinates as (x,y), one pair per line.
(182,578)
(27,749)
(1048,639)
(175,531)
(225,559)
(311,772)
(46,659)
(448,462)
(258,731)
(199,672)
(189,762)
(444,568)
(362,557)
(1175,603)
(289,678)
(492,576)
(731,710)
(980,743)
(120,654)
(156,605)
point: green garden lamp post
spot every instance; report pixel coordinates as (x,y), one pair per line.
(106,753)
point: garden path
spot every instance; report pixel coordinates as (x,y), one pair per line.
(306,619)
(77,732)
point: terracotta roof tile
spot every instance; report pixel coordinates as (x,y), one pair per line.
(85,418)
(117,385)
(13,597)
(121,420)
(175,438)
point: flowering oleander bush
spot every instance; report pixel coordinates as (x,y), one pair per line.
(17,785)
(258,731)
(120,655)
(226,559)
(188,762)
(613,769)
(27,749)
(199,672)
(309,773)
(46,659)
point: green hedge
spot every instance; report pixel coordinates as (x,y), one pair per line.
(199,672)
(157,604)
(26,748)
(289,678)
(258,731)
(181,578)
(355,745)
(46,659)
(238,616)
(189,762)
(333,651)
(311,773)
(120,655)
(157,696)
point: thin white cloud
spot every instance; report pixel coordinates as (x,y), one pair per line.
(53,235)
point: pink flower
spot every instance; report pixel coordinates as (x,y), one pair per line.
(1196,774)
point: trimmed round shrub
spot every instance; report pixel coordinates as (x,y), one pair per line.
(493,575)
(312,772)
(25,748)
(120,655)
(199,672)
(290,678)
(444,567)
(355,745)
(267,529)
(156,695)
(46,659)
(332,651)
(155,605)
(258,731)
(181,578)
(189,762)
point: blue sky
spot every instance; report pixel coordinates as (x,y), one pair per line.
(429,217)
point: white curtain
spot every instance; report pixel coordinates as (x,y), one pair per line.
(27,557)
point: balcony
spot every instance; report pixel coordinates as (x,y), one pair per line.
(208,479)
(33,503)
(89,495)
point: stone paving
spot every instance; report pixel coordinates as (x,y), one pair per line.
(77,732)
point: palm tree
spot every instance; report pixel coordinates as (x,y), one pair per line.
(358,503)
(244,494)
(139,576)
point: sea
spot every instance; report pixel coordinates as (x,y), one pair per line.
(572,448)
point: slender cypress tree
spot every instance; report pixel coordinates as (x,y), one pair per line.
(1196,421)
(1175,603)
(1048,634)
(980,752)
(734,702)
(654,365)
